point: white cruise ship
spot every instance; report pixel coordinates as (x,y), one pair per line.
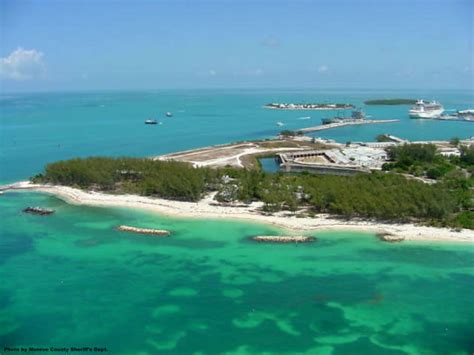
(423,109)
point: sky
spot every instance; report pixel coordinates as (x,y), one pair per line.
(50,45)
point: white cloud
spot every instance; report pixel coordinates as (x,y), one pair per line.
(212,72)
(22,64)
(323,69)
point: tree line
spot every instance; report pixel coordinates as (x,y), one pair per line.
(380,195)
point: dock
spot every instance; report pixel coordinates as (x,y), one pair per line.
(342,124)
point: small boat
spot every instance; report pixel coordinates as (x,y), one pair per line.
(38,210)
(466,115)
(169,114)
(279,124)
(151,121)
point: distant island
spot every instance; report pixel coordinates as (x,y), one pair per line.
(314,106)
(390,102)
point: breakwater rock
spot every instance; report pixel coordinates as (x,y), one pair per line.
(283,239)
(158,232)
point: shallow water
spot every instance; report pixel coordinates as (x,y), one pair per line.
(70,279)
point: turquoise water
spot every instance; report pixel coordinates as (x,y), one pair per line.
(71,279)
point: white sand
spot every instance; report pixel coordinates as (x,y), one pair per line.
(206,210)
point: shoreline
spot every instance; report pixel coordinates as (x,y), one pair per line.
(206,208)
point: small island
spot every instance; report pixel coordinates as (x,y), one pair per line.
(390,102)
(314,106)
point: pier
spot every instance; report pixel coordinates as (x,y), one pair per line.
(342,124)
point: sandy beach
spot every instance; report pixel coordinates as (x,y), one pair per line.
(207,208)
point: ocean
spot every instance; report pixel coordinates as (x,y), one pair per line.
(41,128)
(72,280)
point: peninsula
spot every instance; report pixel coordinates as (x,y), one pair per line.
(417,194)
(314,106)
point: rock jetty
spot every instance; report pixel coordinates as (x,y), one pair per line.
(38,210)
(390,238)
(159,232)
(283,239)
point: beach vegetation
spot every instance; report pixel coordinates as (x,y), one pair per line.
(455,141)
(382,138)
(384,196)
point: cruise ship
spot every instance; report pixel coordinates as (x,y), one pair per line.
(357,115)
(424,109)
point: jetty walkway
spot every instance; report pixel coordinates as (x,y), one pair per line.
(342,124)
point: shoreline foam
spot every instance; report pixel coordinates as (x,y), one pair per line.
(208,209)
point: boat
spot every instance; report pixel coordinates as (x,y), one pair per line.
(169,114)
(356,116)
(462,115)
(279,124)
(466,115)
(38,210)
(424,109)
(151,121)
